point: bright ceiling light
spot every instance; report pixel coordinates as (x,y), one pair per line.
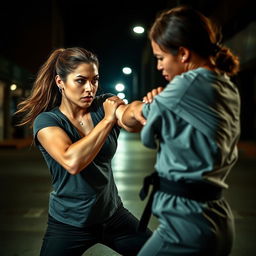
(138,30)
(13,87)
(119,87)
(121,95)
(127,70)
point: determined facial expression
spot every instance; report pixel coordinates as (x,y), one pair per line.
(81,85)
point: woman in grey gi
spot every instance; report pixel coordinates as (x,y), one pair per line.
(194,124)
(76,132)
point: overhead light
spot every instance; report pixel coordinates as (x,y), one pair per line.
(13,87)
(119,87)
(138,30)
(127,70)
(121,95)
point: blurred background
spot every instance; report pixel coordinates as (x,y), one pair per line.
(30,31)
(117,32)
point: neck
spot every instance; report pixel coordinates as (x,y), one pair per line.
(73,112)
(199,62)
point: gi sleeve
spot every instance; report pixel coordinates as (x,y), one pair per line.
(151,131)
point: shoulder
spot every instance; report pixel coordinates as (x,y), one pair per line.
(184,80)
(46,119)
(51,115)
(181,84)
(173,93)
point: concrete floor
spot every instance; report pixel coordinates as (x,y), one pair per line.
(25,187)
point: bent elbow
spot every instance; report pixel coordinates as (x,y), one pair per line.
(70,164)
(74,165)
(75,168)
(72,168)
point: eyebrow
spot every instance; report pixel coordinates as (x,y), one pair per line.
(85,77)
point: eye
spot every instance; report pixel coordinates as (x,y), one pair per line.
(81,81)
(159,58)
(95,80)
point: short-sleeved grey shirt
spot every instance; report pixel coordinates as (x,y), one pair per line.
(90,196)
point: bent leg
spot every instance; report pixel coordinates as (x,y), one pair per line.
(209,231)
(64,240)
(121,233)
(64,247)
(158,246)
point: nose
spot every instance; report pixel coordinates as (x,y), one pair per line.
(88,86)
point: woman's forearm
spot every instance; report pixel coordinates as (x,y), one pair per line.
(130,116)
(82,152)
(74,157)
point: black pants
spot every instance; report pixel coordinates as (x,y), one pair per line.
(119,233)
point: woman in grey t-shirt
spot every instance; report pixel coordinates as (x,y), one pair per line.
(77,133)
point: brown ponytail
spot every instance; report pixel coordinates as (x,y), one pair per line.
(226,61)
(44,94)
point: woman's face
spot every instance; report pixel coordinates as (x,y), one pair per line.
(169,64)
(81,85)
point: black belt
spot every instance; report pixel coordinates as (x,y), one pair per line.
(194,191)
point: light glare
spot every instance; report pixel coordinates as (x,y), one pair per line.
(121,95)
(138,30)
(127,70)
(13,87)
(119,87)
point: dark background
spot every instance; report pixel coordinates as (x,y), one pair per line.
(31,30)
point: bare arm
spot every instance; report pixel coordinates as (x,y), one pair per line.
(130,116)
(74,157)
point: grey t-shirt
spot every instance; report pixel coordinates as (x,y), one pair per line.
(91,196)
